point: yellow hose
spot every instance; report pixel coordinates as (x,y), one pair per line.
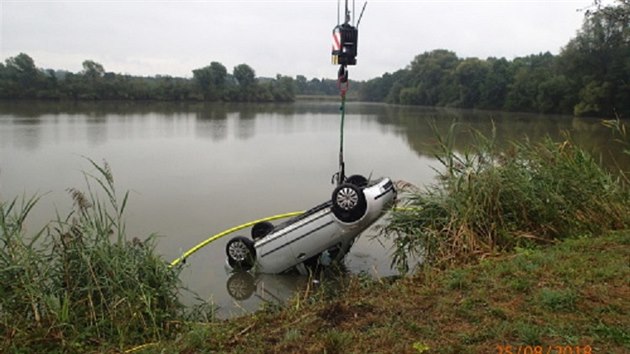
(243,226)
(229,231)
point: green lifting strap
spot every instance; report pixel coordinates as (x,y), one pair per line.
(342,176)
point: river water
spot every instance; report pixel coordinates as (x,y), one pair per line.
(194,170)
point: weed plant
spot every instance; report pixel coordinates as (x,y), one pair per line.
(488,201)
(79,283)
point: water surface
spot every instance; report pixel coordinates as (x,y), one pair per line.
(197,169)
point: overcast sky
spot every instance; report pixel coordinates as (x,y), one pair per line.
(289,37)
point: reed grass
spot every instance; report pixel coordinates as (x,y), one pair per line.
(487,201)
(79,283)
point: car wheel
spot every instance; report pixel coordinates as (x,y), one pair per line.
(261,229)
(357,180)
(241,253)
(348,203)
(241,285)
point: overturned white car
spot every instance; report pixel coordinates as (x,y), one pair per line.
(328,229)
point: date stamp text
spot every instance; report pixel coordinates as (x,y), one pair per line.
(544,349)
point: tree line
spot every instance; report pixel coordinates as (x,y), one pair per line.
(591,75)
(21,79)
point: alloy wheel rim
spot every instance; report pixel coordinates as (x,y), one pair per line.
(238,251)
(347,198)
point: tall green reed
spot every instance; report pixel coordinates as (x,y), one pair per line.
(622,138)
(488,200)
(80,282)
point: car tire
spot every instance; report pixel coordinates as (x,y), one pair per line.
(357,180)
(241,285)
(261,230)
(348,203)
(241,253)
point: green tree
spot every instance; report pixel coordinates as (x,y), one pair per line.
(91,85)
(555,95)
(211,80)
(21,78)
(283,89)
(93,70)
(301,84)
(412,96)
(22,63)
(595,98)
(496,84)
(432,75)
(245,76)
(598,61)
(529,73)
(470,75)
(381,89)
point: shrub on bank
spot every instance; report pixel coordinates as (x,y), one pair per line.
(486,201)
(79,283)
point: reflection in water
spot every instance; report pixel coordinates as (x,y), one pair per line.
(241,285)
(265,287)
(215,129)
(95,135)
(203,110)
(246,127)
(207,111)
(250,290)
(420,125)
(31,137)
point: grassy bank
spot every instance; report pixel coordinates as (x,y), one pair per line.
(575,293)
